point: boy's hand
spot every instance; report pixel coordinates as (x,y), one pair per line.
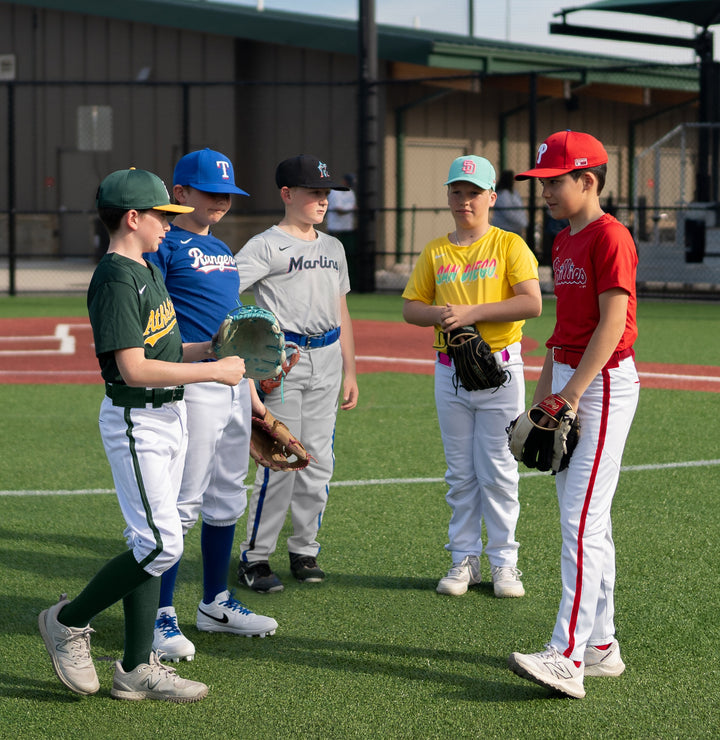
(453,317)
(230,370)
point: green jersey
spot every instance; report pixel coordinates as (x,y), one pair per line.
(129,306)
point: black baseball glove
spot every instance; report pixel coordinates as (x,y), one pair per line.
(547,447)
(475,365)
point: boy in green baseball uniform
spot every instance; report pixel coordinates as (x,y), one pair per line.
(143,427)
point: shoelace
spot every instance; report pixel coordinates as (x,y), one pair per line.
(167,625)
(79,644)
(261,570)
(506,573)
(234,605)
(157,667)
(552,654)
(456,570)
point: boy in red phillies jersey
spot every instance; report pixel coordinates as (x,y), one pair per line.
(590,364)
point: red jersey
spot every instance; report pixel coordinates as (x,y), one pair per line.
(600,257)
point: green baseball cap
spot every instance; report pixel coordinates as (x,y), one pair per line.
(476,170)
(136,189)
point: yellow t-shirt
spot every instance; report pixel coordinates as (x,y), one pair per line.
(483,272)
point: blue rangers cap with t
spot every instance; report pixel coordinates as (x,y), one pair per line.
(206,170)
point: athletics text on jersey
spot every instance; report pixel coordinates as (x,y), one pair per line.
(129,306)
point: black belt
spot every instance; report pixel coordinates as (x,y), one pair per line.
(311,341)
(138,398)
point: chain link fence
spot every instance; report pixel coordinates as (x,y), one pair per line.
(678,237)
(59,243)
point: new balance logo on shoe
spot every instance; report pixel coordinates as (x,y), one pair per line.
(551,669)
(558,670)
(151,681)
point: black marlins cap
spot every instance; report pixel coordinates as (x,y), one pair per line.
(305,171)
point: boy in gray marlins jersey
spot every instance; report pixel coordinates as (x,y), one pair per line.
(301,275)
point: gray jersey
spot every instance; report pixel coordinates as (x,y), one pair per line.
(299,281)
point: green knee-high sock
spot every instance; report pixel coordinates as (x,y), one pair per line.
(112,582)
(140,607)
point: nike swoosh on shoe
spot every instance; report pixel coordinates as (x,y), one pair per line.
(223,620)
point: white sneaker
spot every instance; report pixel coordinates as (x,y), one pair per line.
(154,680)
(603,662)
(550,668)
(460,576)
(168,641)
(227,614)
(69,649)
(506,582)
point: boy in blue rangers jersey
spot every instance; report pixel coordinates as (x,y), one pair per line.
(202,279)
(143,428)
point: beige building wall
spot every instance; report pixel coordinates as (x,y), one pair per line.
(287,100)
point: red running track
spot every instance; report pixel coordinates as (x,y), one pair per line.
(60,350)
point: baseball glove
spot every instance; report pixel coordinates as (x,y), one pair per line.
(253,333)
(273,445)
(269,385)
(475,365)
(545,447)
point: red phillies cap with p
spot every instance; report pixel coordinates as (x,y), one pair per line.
(564,152)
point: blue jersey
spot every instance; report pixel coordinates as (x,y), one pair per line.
(201,276)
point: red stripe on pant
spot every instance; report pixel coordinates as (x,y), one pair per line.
(586,505)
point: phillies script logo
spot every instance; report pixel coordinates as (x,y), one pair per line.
(567,274)
(211,262)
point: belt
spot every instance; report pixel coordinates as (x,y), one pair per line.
(311,341)
(572,357)
(138,398)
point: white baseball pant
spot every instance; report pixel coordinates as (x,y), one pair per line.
(585,492)
(482,476)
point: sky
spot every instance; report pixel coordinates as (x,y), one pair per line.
(519,21)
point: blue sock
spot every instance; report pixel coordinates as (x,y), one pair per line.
(167,585)
(216,547)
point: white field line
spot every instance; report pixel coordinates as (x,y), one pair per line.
(66,347)
(44,373)
(66,342)
(535,370)
(395,481)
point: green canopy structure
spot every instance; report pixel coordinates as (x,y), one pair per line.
(703,13)
(700,13)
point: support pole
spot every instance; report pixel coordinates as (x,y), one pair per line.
(368,159)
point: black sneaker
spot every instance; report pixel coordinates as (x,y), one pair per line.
(259,577)
(305,568)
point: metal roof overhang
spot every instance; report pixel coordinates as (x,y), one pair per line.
(412,53)
(703,13)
